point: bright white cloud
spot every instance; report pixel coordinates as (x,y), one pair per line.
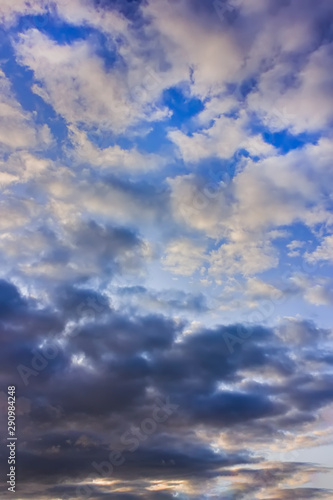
(221,140)
(73,79)
(295,247)
(76,12)
(303,105)
(320,295)
(17,127)
(211,54)
(315,290)
(257,289)
(183,257)
(112,158)
(22,166)
(245,258)
(273,192)
(323,252)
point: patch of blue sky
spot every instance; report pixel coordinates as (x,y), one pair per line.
(183,108)
(283,140)
(156,140)
(63,33)
(161,279)
(297,231)
(218,173)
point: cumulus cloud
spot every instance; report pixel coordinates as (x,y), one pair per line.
(112,158)
(77,85)
(221,140)
(317,290)
(183,257)
(243,257)
(295,248)
(302,106)
(17,128)
(323,252)
(225,137)
(266,194)
(76,12)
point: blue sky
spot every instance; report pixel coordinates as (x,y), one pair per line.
(166,179)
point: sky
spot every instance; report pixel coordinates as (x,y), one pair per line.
(166,248)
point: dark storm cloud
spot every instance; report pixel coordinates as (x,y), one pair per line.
(50,458)
(127,355)
(74,302)
(229,408)
(255,481)
(10,299)
(127,364)
(67,492)
(23,327)
(304,493)
(126,336)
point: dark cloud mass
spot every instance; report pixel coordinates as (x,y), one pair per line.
(75,413)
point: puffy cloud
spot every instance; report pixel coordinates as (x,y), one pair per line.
(243,257)
(320,295)
(221,140)
(16,213)
(17,128)
(262,196)
(225,137)
(112,158)
(302,105)
(295,247)
(183,257)
(76,83)
(324,251)
(212,56)
(23,166)
(317,291)
(258,289)
(200,204)
(10,11)
(76,12)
